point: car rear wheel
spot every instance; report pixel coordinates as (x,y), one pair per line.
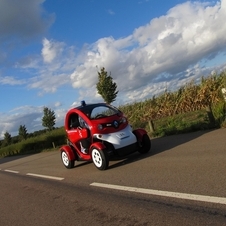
(66,161)
(145,144)
(100,158)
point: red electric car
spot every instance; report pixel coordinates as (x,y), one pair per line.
(97,131)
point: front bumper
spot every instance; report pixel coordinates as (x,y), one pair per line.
(126,150)
(120,139)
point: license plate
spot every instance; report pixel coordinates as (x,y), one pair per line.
(122,135)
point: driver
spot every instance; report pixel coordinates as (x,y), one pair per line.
(85,142)
(82,122)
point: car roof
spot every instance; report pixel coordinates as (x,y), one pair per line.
(87,108)
(90,106)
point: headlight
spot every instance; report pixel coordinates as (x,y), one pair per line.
(123,120)
(100,127)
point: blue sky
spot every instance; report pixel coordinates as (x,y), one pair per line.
(51,50)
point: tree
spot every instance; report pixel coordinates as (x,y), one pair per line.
(7,138)
(23,132)
(49,118)
(106,87)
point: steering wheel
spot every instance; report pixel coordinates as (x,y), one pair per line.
(100,116)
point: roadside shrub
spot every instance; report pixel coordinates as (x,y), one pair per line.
(219,112)
(183,123)
(46,141)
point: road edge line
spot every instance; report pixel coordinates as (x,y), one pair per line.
(202,198)
(11,171)
(44,176)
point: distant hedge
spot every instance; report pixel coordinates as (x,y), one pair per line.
(46,141)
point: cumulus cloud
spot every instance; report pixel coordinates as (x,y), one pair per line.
(106,52)
(50,50)
(53,69)
(20,23)
(159,53)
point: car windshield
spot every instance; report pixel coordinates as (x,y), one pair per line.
(103,111)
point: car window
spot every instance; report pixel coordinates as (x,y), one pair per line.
(82,122)
(102,111)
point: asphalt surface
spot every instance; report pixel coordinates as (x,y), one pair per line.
(38,190)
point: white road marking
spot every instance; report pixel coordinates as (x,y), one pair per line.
(36,175)
(11,171)
(202,198)
(44,176)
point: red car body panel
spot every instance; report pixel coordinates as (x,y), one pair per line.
(70,153)
(139,133)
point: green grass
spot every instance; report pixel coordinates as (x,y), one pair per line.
(45,142)
(183,123)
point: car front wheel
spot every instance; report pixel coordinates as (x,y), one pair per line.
(66,161)
(100,158)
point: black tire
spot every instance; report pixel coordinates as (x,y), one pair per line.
(100,158)
(66,161)
(145,144)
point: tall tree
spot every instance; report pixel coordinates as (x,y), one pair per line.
(7,138)
(49,118)
(23,132)
(106,87)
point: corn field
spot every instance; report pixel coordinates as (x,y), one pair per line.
(189,98)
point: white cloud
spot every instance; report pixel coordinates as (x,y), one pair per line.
(161,50)
(20,23)
(111,12)
(7,80)
(57,104)
(51,50)
(54,72)
(48,82)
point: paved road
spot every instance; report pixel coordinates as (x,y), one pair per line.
(184,164)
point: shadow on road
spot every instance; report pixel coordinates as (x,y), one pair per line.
(11,158)
(16,157)
(159,145)
(166,143)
